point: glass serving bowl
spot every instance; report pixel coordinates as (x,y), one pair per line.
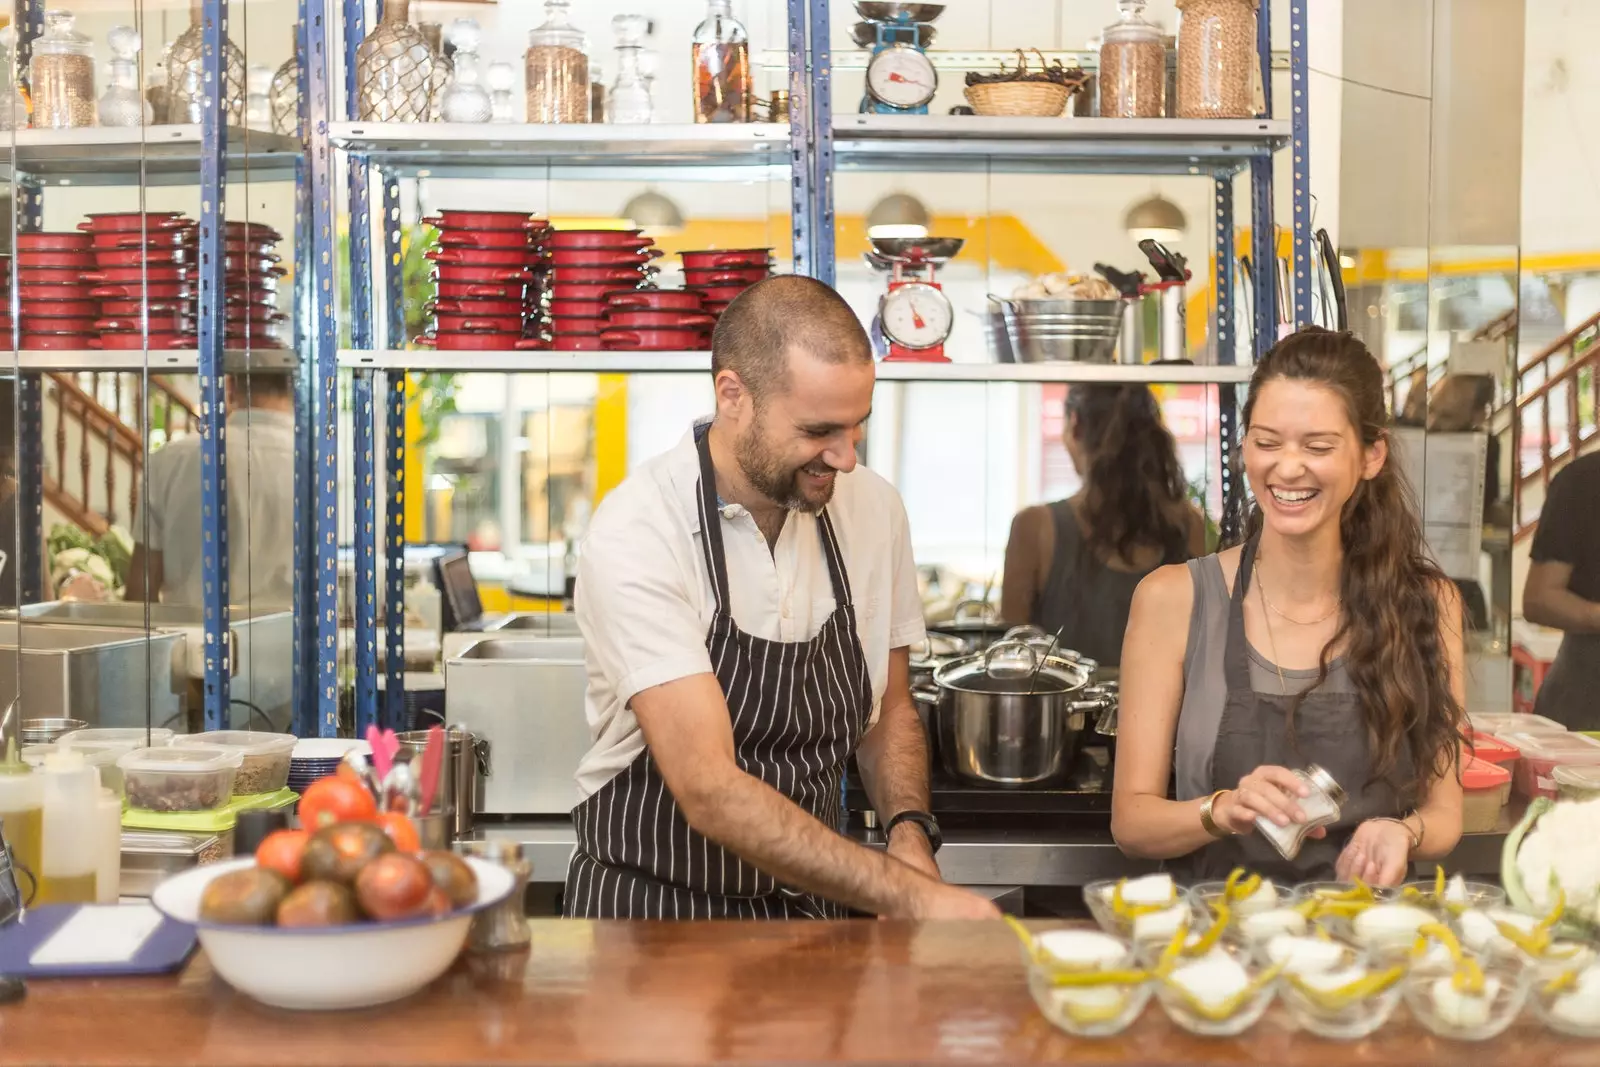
(1387,940)
(1572,1010)
(1097,895)
(1321,999)
(1101,1010)
(1479,895)
(1203,897)
(1225,1020)
(1428,996)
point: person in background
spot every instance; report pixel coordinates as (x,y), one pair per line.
(1073,565)
(1329,637)
(1562,590)
(166,531)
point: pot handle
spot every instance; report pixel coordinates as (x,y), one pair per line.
(986,610)
(621,337)
(1017,650)
(1026,632)
(926,694)
(491,291)
(436,221)
(479,326)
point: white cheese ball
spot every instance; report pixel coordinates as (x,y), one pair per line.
(1267,924)
(1095,999)
(1160,925)
(1463,1010)
(1330,980)
(1304,955)
(1151,889)
(1384,926)
(1580,1006)
(1212,981)
(1084,948)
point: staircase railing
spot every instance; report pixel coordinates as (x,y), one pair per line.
(1559,389)
(1402,371)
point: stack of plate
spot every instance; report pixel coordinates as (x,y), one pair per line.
(318,757)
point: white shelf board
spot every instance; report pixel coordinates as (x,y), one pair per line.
(1088,145)
(494,149)
(104,155)
(700,362)
(163,360)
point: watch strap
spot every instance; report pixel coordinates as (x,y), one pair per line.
(930,826)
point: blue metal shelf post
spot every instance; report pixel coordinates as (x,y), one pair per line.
(800,169)
(1264,235)
(394,511)
(211,331)
(821,114)
(1300,160)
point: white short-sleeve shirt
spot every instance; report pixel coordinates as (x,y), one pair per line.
(644,600)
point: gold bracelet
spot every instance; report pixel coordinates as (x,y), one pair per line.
(1415,835)
(1208,823)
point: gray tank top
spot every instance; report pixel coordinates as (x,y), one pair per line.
(1205,687)
(1082,597)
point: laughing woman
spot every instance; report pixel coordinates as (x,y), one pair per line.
(1327,638)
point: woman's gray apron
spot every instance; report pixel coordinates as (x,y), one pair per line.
(798,710)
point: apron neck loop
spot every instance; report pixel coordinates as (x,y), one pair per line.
(711,521)
(1236,657)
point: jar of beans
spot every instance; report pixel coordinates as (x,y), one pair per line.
(1133,66)
(1217,59)
(62,73)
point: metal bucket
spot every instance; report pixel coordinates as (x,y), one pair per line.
(48,731)
(1066,331)
(461,779)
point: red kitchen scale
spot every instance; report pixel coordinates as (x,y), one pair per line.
(914,314)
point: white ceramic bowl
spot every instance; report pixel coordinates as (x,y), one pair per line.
(334,967)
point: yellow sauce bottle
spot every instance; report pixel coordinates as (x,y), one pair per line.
(72,836)
(21,821)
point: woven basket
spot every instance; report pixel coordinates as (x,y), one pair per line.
(1039,99)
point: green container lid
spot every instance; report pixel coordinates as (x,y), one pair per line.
(207,822)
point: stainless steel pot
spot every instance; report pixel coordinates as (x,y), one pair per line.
(1005,719)
(974,624)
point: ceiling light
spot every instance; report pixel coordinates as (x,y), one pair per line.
(654,212)
(898,215)
(1155,219)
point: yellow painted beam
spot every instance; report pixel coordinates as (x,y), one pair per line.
(415,490)
(610,434)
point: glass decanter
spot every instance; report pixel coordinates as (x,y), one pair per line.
(62,75)
(649,67)
(721,66)
(122,104)
(284,96)
(444,68)
(502,78)
(628,102)
(466,100)
(394,70)
(155,84)
(13,100)
(258,105)
(186,74)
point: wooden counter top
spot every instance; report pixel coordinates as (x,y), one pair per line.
(692,993)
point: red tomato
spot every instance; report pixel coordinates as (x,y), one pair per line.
(401,830)
(333,800)
(281,851)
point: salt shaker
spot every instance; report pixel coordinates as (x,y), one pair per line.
(1320,804)
(504,926)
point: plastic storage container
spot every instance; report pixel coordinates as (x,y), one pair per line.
(1133,66)
(1485,788)
(101,755)
(180,779)
(1503,722)
(1543,753)
(1577,782)
(217,824)
(135,736)
(266,757)
(1490,749)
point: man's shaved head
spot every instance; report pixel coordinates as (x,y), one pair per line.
(779,316)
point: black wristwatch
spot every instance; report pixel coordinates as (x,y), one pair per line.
(930,827)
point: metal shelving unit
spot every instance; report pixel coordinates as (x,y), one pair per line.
(819,145)
(234,361)
(108,155)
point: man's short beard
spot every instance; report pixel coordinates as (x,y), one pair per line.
(769,477)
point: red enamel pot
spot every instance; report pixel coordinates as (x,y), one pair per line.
(746,276)
(136,341)
(657,299)
(659,319)
(52,293)
(562,324)
(160,322)
(134,275)
(471,342)
(59,342)
(239,230)
(482,291)
(52,324)
(655,340)
(599,257)
(55,260)
(479,323)
(484,220)
(578,309)
(133,257)
(477,307)
(722,294)
(584,290)
(485,239)
(29,276)
(576,342)
(732,257)
(595,275)
(111,240)
(461,274)
(595,239)
(133,309)
(53,242)
(134,221)
(59,309)
(482,257)
(153,291)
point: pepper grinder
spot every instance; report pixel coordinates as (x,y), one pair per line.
(504,926)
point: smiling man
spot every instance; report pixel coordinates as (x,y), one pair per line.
(747,601)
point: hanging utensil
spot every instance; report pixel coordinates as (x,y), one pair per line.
(1055,639)
(432,766)
(1247,299)
(1330,260)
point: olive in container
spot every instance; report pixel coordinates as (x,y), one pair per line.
(179,779)
(266,757)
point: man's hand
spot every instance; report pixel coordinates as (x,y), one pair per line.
(940,901)
(909,844)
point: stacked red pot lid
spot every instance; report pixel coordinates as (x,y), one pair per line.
(6,323)
(145,277)
(722,274)
(656,320)
(485,272)
(53,303)
(582,268)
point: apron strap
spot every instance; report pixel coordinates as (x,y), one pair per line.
(711,523)
(1236,654)
(835,558)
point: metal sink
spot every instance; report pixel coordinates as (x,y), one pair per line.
(104,675)
(512,624)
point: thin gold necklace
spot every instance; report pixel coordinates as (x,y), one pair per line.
(1262,589)
(1272,641)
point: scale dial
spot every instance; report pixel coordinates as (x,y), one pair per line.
(901,77)
(916,315)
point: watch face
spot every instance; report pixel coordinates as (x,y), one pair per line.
(901,76)
(916,315)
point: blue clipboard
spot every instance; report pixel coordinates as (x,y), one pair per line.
(164,951)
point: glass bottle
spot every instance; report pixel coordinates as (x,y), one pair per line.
(628,103)
(62,75)
(13,100)
(466,100)
(285,96)
(597,93)
(503,103)
(122,104)
(394,69)
(186,74)
(444,68)
(557,69)
(721,66)
(1218,66)
(649,67)
(1133,66)
(155,84)
(1321,806)
(258,104)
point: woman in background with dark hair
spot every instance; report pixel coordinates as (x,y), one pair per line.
(1328,638)
(1073,565)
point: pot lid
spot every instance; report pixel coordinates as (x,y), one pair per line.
(936,647)
(1012,668)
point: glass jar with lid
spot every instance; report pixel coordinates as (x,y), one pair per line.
(1218,63)
(13,101)
(628,102)
(62,75)
(721,50)
(557,68)
(123,104)
(1133,66)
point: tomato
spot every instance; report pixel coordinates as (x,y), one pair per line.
(333,800)
(281,851)
(402,830)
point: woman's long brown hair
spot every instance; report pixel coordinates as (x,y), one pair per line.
(1134,481)
(1390,587)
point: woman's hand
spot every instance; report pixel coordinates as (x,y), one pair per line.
(1273,792)
(1377,853)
